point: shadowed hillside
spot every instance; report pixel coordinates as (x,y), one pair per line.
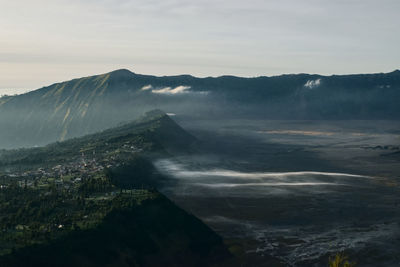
(154,132)
(91,201)
(154,233)
(90,104)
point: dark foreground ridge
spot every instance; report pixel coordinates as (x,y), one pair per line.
(154,233)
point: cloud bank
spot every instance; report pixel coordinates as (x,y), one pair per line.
(171,91)
(147,87)
(226,182)
(167,90)
(311,84)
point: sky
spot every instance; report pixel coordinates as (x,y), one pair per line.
(48,41)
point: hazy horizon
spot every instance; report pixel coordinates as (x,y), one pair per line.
(18,91)
(45,42)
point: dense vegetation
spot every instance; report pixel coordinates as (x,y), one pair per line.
(154,132)
(132,228)
(39,214)
(91,201)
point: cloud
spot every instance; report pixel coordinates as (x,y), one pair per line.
(222,185)
(227,182)
(311,84)
(294,132)
(147,87)
(180,171)
(172,91)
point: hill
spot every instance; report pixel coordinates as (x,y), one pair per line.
(153,233)
(91,201)
(87,105)
(154,132)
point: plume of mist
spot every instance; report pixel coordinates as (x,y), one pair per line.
(311,84)
(171,91)
(147,87)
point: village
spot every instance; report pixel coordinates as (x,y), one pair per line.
(71,174)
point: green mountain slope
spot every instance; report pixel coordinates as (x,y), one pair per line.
(91,201)
(87,105)
(155,132)
(154,233)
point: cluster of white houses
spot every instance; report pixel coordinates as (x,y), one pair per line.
(66,175)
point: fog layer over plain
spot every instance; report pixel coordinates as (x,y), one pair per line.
(297,196)
(250,184)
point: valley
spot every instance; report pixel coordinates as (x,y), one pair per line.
(265,171)
(296,191)
(186,133)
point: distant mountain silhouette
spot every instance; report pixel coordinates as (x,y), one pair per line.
(86,105)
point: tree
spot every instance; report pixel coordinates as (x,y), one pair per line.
(340,260)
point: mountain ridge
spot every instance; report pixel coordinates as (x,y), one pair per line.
(155,129)
(92,201)
(125,72)
(94,103)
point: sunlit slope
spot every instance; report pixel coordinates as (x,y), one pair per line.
(59,111)
(89,104)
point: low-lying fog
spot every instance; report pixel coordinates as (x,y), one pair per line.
(300,198)
(250,184)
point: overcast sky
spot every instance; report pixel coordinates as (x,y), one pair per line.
(47,41)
